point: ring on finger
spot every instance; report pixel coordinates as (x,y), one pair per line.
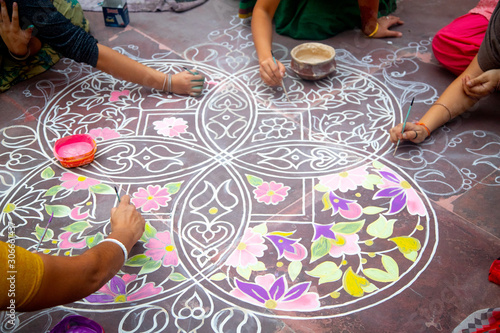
(416,135)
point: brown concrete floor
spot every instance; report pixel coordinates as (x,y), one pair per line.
(455,174)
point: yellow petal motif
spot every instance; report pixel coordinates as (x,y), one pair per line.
(408,246)
(356,285)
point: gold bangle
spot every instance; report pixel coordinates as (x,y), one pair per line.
(447,109)
(374,31)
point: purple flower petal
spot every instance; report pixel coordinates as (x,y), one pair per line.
(256,292)
(297,291)
(390,176)
(100,298)
(388,192)
(282,244)
(277,289)
(338,202)
(397,203)
(117,286)
(323,230)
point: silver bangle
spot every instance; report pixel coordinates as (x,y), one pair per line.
(169,84)
(164,82)
(116,241)
(26,56)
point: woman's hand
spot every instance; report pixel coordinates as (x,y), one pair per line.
(272,73)
(185,83)
(127,224)
(413,132)
(17,40)
(483,85)
(384,23)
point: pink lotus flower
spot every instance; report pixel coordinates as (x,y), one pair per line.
(272,293)
(346,180)
(72,181)
(66,243)
(171,126)
(250,247)
(105,133)
(299,252)
(151,198)
(161,248)
(345,244)
(115,291)
(271,193)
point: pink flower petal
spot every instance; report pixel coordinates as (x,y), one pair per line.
(155,254)
(414,203)
(150,205)
(145,291)
(170,259)
(308,301)
(154,243)
(164,237)
(138,202)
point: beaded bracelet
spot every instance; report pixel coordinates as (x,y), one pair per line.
(374,31)
(116,241)
(26,56)
(426,128)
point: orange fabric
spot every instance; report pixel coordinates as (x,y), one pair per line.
(22,273)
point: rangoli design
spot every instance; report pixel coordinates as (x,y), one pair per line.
(256,207)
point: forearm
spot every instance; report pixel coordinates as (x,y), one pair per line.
(68,279)
(453,102)
(124,68)
(369,14)
(262,27)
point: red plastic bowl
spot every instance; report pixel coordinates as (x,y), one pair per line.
(75,150)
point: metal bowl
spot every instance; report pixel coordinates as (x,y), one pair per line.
(313,61)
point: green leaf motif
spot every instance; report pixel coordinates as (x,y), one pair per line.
(177,277)
(326,272)
(39,233)
(254,181)
(260,229)
(381,228)
(371,181)
(218,277)
(372,210)
(94,240)
(258,267)
(390,274)
(138,260)
(10,207)
(149,231)
(294,269)
(102,189)
(321,188)
(150,267)
(58,210)
(244,272)
(77,227)
(48,173)
(320,248)
(53,191)
(348,228)
(173,188)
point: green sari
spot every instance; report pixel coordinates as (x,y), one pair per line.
(316,19)
(13,71)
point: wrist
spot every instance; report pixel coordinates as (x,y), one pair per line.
(20,57)
(125,237)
